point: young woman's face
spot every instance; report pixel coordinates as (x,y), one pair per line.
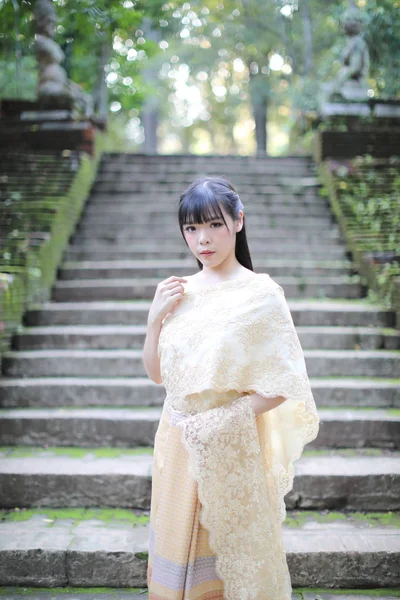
(215,237)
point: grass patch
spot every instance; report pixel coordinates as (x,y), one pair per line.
(117,593)
(348,452)
(77,515)
(300,593)
(113,592)
(299,518)
(72,452)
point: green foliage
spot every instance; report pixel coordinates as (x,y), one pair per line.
(382,37)
(35,236)
(182,57)
(365,197)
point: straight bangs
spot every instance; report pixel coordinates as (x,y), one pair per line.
(199,206)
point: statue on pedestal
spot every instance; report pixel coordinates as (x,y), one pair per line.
(54,84)
(351,82)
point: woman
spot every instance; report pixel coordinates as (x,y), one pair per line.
(237,414)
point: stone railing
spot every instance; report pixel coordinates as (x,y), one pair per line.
(42,195)
(364,196)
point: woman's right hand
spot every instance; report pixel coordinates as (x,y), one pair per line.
(168,294)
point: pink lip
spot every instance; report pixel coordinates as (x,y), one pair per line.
(206,253)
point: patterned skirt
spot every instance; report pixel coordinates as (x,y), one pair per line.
(181,565)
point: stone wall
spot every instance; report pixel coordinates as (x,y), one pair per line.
(42,195)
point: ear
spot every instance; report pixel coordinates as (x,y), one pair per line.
(239,222)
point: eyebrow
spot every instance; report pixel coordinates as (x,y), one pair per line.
(208,221)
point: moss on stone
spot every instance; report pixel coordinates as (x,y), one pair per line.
(34,277)
(50,515)
(346,452)
(300,592)
(372,519)
(72,452)
(9,592)
(294,519)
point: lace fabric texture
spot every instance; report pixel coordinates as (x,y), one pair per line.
(219,345)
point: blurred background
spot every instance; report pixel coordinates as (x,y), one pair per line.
(201,73)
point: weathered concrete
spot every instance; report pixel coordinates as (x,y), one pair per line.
(135,269)
(123,594)
(350,361)
(339,554)
(141,391)
(271,196)
(322,482)
(154,213)
(133,336)
(122,428)
(251,181)
(169,229)
(127,428)
(115,251)
(128,363)
(64,481)
(323,312)
(85,391)
(127,289)
(350,428)
(9,593)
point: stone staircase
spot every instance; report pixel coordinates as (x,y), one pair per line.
(79,415)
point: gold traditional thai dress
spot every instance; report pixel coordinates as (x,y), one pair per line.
(220,473)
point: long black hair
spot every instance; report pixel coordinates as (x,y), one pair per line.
(199,203)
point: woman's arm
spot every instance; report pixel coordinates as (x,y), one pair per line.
(169,293)
(151,360)
(261,404)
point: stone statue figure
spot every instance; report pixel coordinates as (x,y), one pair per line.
(54,84)
(351,83)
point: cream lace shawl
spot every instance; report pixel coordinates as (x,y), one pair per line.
(219,345)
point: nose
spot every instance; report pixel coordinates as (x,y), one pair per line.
(204,236)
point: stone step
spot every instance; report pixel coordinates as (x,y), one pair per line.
(131,427)
(184,159)
(94,250)
(301,241)
(363,392)
(120,215)
(132,392)
(166,203)
(336,286)
(310,311)
(166,179)
(192,170)
(80,427)
(86,391)
(245,179)
(167,199)
(133,336)
(258,239)
(112,183)
(129,363)
(168,182)
(66,477)
(162,269)
(255,227)
(244,182)
(101,548)
(12,593)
